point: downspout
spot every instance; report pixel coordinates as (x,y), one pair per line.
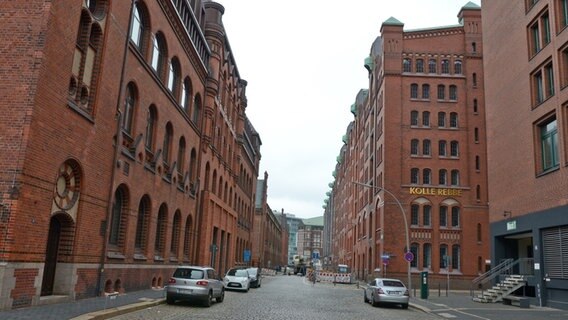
(117,147)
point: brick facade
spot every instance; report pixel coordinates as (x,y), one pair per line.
(112,173)
(416,147)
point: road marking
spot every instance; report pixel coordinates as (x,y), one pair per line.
(447,315)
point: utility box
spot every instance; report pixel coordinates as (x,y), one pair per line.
(424,285)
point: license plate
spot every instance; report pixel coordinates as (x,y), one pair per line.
(395,293)
(186,291)
(233,285)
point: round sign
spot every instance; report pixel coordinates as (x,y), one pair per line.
(409,256)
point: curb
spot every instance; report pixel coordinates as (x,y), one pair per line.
(113,312)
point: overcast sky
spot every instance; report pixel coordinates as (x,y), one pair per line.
(303,61)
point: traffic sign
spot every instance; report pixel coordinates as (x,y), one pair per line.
(409,256)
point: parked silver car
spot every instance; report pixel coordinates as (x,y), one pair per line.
(255,277)
(237,279)
(391,291)
(195,283)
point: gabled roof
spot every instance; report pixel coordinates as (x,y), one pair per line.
(471,5)
(392,21)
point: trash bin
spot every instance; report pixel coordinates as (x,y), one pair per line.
(424,285)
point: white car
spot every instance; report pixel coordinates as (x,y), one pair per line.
(237,279)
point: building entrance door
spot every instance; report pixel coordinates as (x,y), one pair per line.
(51,257)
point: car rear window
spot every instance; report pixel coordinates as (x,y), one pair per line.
(237,272)
(188,273)
(252,272)
(391,283)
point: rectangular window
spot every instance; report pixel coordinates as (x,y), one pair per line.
(414,215)
(426,221)
(562,14)
(443,216)
(542,83)
(563,69)
(441,92)
(534,39)
(545,20)
(549,144)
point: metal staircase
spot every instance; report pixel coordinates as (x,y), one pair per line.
(512,274)
(501,289)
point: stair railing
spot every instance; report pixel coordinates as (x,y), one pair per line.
(523,266)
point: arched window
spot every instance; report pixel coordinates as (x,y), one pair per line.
(118,218)
(174,76)
(159,55)
(444,263)
(453,120)
(414,147)
(476,135)
(187,238)
(151,128)
(426,119)
(442,148)
(474,79)
(414,91)
(443,216)
(454,149)
(427,176)
(427,215)
(441,92)
(445,66)
(455,178)
(441,119)
(474,105)
(176,231)
(457,67)
(427,256)
(167,145)
(406,65)
(414,118)
(129,105)
(420,65)
(414,250)
(186,94)
(181,156)
(426,147)
(443,177)
(479,235)
(432,66)
(193,165)
(197,111)
(478,192)
(142,224)
(456,257)
(425,91)
(453,93)
(455,217)
(137,32)
(477,163)
(414,176)
(161,225)
(414,211)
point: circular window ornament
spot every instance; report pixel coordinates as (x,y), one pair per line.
(66,187)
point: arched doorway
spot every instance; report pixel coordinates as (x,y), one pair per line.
(59,246)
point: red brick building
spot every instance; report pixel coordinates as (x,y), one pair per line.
(526,79)
(416,149)
(127,147)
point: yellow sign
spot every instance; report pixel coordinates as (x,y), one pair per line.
(435,191)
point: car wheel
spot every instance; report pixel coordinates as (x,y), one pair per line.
(170,300)
(221,297)
(405,305)
(373,302)
(248,288)
(258,285)
(209,299)
(365,296)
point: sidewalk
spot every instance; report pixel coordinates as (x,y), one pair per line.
(91,308)
(459,305)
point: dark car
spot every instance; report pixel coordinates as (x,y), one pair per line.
(255,277)
(195,283)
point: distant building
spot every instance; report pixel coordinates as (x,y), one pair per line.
(310,241)
(294,224)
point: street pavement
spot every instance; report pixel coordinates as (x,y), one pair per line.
(456,305)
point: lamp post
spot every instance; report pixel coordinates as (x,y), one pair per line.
(405,227)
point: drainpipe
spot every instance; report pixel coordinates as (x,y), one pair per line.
(117,147)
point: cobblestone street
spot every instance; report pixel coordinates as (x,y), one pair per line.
(284,297)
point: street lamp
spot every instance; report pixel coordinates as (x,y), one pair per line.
(405,225)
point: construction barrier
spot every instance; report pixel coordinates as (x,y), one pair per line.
(334,277)
(268,272)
